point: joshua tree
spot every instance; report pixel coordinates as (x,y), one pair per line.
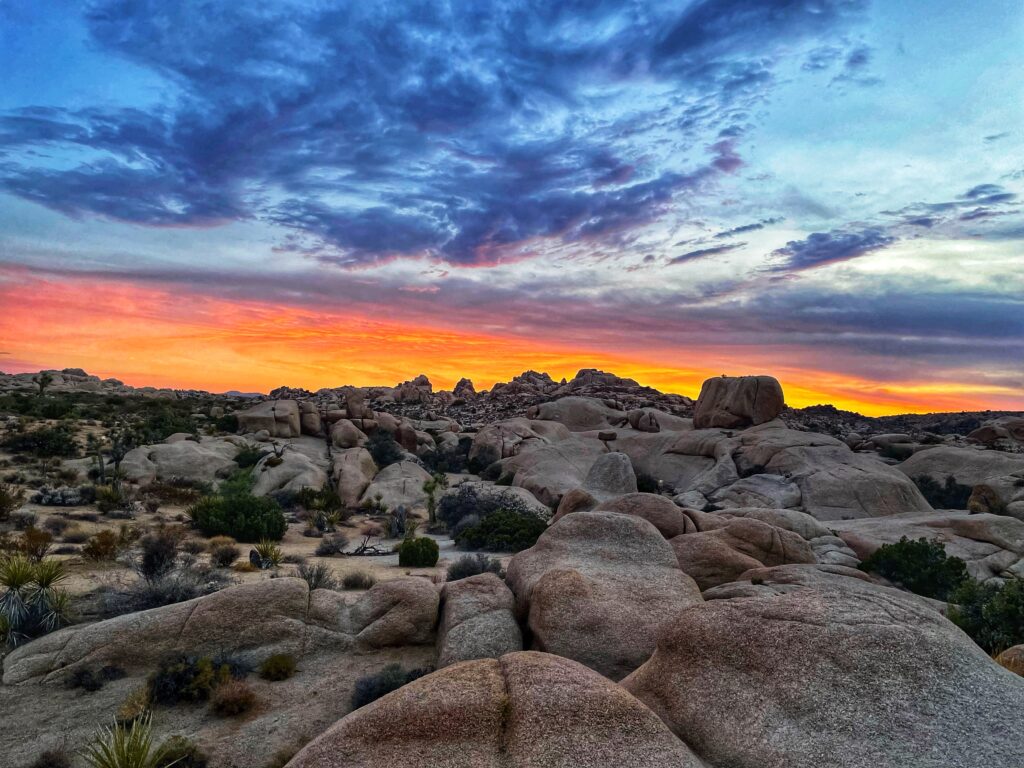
(122,440)
(43,380)
(438,481)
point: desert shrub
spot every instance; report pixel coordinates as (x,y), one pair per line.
(45,443)
(51,758)
(185,678)
(383,448)
(223,555)
(334,544)
(232,698)
(239,514)
(992,614)
(502,531)
(357,580)
(125,746)
(371,687)
(23,519)
(75,535)
(162,422)
(471,565)
(56,525)
(471,500)
(159,555)
(91,680)
(180,752)
(949,495)
(418,553)
(178,490)
(31,601)
(897,451)
(104,546)
(35,543)
(135,706)
(646,483)
(249,456)
(11,499)
(921,566)
(317,576)
(278,667)
(227,423)
(110,498)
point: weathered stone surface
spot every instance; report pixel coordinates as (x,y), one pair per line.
(609,476)
(511,437)
(295,471)
(669,519)
(395,612)
(280,418)
(399,484)
(724,548)
(743,401)
(525,710)
(205,461)
(597,587)
(477,620)
(758,491)
(345,434)
(354,469)
(838,672)
(579,414)
(967,466)
(1012,659)
(550,471)
(991,545)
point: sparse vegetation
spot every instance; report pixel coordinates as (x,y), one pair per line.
(472,565)
(102,547)
(269,554)
(223,551)
(51,758)
(502,531)
(278,667)
(370,688)
(992,614)
(250,455)
(948,495)
(180,752)
(921,566)
(470,500)
(11,499)
(125,746)
(187,679)
(334,544)
(317,576)
(45,442)
(357,580)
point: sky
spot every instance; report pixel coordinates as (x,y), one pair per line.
(243,195)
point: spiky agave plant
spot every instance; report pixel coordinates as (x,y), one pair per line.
(126,746)
(32,602)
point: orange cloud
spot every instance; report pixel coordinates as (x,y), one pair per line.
(176,338)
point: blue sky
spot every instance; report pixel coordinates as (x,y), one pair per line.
(834,184)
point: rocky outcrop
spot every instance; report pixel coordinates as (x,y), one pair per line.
(724,548)
(523,710)
(353,472)
(281,418)
(399,484)
(670,520)
(512,437)
(579,414)
(250,621)
(477,620)
(810,672)
(205,461)
(292,471)
(738,402)
(550,471)
(992,546)
(597,588)
(345,434)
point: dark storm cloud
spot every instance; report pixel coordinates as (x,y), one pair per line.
(829,247)
(381,130)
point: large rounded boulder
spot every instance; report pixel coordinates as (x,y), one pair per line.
(830,671)
(743,401)
(597,587)
(522,710)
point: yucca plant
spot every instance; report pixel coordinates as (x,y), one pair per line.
(270,554)
(126,746)
(31,603)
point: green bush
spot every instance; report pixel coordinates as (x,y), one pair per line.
(383,448)
(472,565)
(950,495)
(391,678)
(921,566)
(280,666)
(418,553)
(992,614)
(45,443)
(250,456)
(469,500)
(227,423)
(502,531)
(240,515)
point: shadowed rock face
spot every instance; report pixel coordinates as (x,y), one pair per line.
(525,709)
(745,401)
(597,587)
(807,671)
(477,620)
